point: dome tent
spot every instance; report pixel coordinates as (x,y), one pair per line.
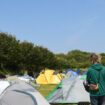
(48,76)
(69,90)
(21,93)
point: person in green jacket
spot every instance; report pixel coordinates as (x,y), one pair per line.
(96,80)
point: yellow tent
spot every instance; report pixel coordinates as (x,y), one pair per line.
(48,76)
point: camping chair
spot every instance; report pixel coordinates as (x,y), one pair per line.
(83,103)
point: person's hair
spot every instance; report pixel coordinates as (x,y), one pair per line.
(95,58)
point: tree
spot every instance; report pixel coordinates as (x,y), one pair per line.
(78,58)
(8,51)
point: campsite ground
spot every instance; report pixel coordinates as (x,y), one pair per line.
(46,89)
(64,104)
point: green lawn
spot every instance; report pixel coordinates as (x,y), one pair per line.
(45,89)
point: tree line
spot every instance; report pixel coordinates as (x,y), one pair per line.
(17,56)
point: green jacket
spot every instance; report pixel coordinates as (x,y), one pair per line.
(96,75)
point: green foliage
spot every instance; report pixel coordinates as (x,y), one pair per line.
(8,51)
(74,59)
(78,59)
(16,56)
(62,61)
(103,58)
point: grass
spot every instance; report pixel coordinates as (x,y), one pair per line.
(45,89)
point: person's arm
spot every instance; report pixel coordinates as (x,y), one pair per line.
(91,78)
(93,81)
(93,86)
(88,76)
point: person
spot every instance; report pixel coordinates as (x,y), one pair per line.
(96,79)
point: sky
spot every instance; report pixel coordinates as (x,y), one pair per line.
(59,25)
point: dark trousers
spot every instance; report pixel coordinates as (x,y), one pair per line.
(97,100)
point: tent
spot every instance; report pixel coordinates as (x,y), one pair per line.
(26,78)
(49,77)
(3,85)
(20,93)
(70,90)
(71,73)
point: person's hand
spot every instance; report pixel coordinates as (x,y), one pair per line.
(93,86)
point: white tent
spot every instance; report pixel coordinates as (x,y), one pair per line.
(74,91)
(26,78)
(70,90)
(3,85)
(21,93)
